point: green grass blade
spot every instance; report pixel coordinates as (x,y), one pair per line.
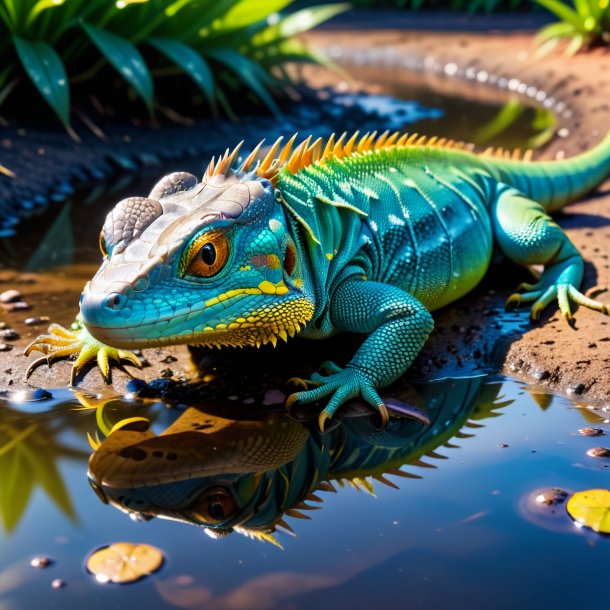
(249,72)
(248,12)
(126,59)
(561,10)
(299,22)
(46,70)
(189,61)
(555,30)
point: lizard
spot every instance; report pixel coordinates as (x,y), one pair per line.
(246,472)
(365,234)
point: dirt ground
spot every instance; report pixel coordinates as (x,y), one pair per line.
(475,334)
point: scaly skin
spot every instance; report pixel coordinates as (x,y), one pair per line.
(365,236)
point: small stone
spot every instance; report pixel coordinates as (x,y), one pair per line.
(17,306)
(599,452)
(577,389)
(40,561)
(591,432)
(26,279)
(37,321)
(3,325)
(503,445)
(58,583)
(10,296)
(5,347)
(9,335)
(551,496)
(541,375)
(144,362)
(169,359)
(167,373)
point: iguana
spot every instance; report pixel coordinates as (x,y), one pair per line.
(358,234)
(246,472)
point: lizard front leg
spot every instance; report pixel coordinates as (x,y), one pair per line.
(398,325)
(60,343)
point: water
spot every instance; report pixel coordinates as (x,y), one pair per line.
(461,530)
(465,531)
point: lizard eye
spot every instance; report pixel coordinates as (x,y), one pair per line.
(103,247)
(207,255)
(215,505)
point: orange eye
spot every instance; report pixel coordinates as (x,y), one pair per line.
(103,248)
(214,505)
(207,255)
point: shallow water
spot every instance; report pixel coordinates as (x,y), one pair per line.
(465,532)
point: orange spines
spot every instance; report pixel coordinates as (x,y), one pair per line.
(320,151)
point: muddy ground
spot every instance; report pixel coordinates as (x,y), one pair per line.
(475,334)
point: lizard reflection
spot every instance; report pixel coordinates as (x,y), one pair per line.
(248,472)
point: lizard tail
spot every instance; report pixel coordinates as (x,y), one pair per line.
(555,184)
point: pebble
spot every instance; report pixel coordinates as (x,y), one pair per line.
(169,359)
(577,389)
(10,296)
(36,321)
(58,583)
(5,347)
(3,325)
(9,335)
(551,496)
(41,561)
(591,432)
(17,306)
(167,373)
(503,445)
(599,452)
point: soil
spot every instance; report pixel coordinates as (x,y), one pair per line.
(475,335)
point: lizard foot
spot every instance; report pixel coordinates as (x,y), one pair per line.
(340,385)
(62,343)
(543,294)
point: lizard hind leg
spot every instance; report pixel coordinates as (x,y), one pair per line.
(528,236)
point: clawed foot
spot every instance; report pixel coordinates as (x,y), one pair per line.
(340,385)
(62,343)
(543,294)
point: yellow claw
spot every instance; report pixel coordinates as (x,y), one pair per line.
(297,381)
(322,420)
(514,300)
(130,357)
(291,400)
(383,414)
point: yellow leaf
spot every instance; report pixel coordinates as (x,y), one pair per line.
(591,508)
(124,562)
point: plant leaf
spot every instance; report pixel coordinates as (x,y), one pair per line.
(561,10)
(250,73)
(246,12)
(591,508)
(189,61)
(125,58)
(46,70)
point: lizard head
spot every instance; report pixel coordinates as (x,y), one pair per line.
(203,263)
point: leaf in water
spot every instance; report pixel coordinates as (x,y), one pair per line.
(125,58)
(46,70)
(16,488)
(124,562)
(189,61)
(591,508)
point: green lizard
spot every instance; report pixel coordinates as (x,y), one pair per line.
(362,234)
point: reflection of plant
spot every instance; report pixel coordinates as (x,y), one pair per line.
(585,24)
(218,44)
(543,124)
(29,451)
(471,6)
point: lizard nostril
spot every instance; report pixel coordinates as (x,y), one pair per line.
(115,301)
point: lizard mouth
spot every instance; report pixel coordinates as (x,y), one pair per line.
(264,324)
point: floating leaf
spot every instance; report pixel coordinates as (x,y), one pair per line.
(591,508)
(124,562)
(125,58)
(46,70)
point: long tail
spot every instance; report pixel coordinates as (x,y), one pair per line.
(554,184)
